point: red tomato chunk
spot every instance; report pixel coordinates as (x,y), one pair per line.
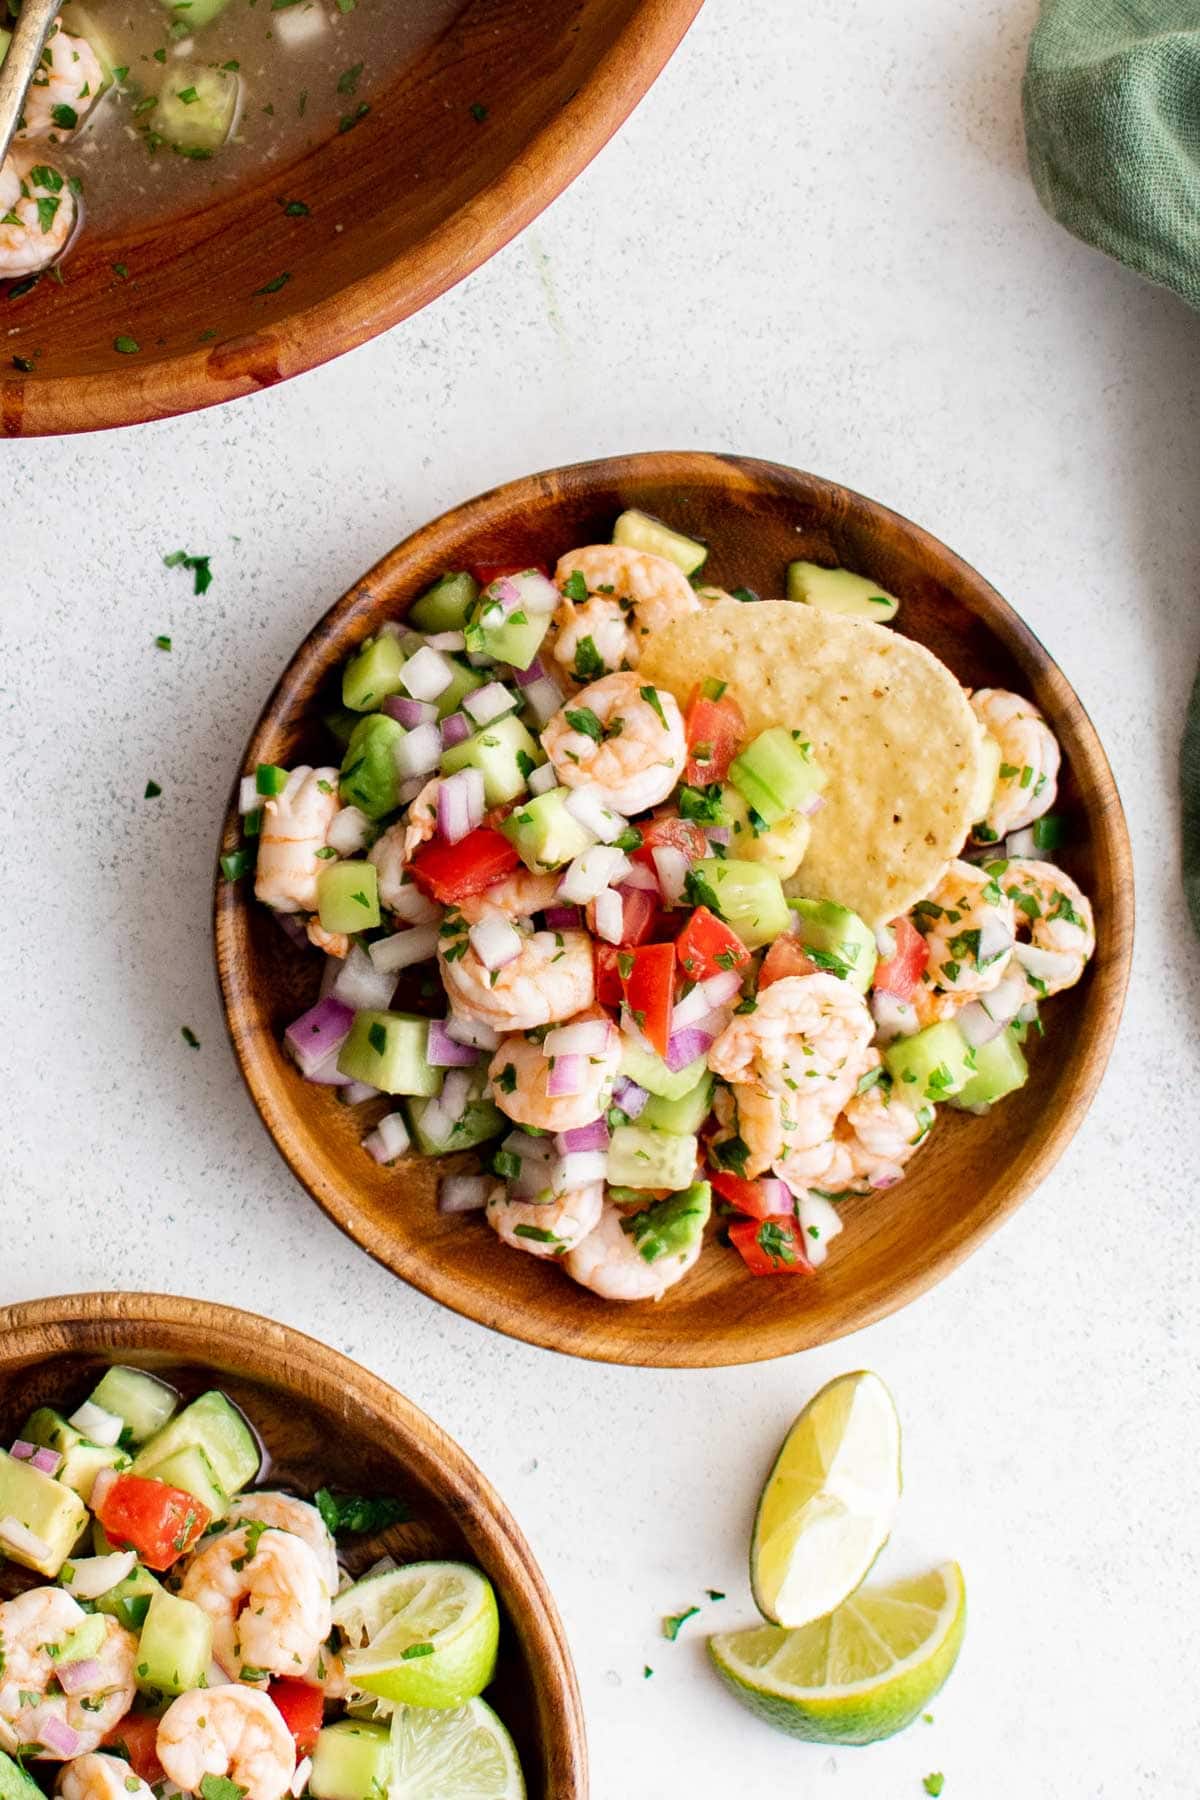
(772,1246)
(901,973)
(715,730)
(648,978)
(453,872)
(303,1709)
(706,946)
(160,1522)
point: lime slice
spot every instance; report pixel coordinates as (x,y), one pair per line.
(465,1752)
(422,1635)
(863,1673)
(828,1504)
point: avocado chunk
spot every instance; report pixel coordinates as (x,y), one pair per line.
(838,590)
(672,1226)
(197,106)
(682,1116)
(837,940)
(642,531)
(640,1158)
(370,779)
(48,1508)
(544,833)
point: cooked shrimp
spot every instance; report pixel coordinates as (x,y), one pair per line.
(633,750)
(968,924)
(546,1228)
(94,1777)
(65,84)
(520,1074)
(876,1135)
(285,1513)
(267,1596)
(551,978)
(31,1627)
(333,943)
(37,214)
(595,631)
(518,896)
(609,1263)
(293,832)
(235,1731)
(1029,759)
(391,854)
(656,592)
(1058,919)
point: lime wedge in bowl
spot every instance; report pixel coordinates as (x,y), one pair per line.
(422,1635)
(827,1508)
(861,1674)
(464,1750)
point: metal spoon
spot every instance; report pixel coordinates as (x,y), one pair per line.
(20,64)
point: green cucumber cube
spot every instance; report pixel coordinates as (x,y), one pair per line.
(544,833)
(190,1470)
(1000,1069)
(670,1227)
(197,106)
(199,12)
(48,1508)
(351,1761)
(15,1784)
(129,1602)
(645,1067)
(390,1050)
(82,1460)
(514,638)
(143,1401)
(446,605)
(777,774)
(747,895)
(682,1116)
(464,680)
(639,1158)
(213,1423)
(498,752)
(838,590)
(934,1064)
(373,674)
(348,896)
(370,779)
(176,1646)
(837,939)
(642,531)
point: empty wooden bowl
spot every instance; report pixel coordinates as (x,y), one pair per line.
(973,1172)
(323,1421)
(243,294)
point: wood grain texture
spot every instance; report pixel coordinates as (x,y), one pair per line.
(323,1419)
(410,201)
(973,1172)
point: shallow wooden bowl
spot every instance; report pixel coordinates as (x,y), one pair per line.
(322,1420)
(240,295)
(972,1174)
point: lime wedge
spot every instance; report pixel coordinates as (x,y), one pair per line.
(465,1752)
(828,1504)
(421,1635)
(863,1673)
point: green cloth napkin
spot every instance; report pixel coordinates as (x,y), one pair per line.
(1112,123)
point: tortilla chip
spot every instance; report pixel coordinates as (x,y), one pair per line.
(888,722)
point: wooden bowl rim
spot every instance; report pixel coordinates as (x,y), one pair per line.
(76,1322)
(543,168)
(326,644)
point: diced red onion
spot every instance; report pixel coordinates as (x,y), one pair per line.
(360,985)
(1018,846)
(414,907)
(994,939)
(404,950)
(455,728)
(671,866)
(777,1193)
(719,834)
(446,640)
(639,876)
(1046,965)
(82,1677)
(893,1017)
(589,808)
(349,831)
(585,1037)
(543,778)
(356,1093)
(593,871)
(631,1098)
(95,1575)
(495,942)
(563,918)
(578,1169)
(1006,999)
(722,988)
(409,713)
(894,1175)
(567,1077)
(426,674)
(526,677)
(543,698)
(463,1193)
(683,1047)
(389,1139)
(56,1735)
(22,1450)
(488,703)
(461,804)
(249,798)
(595,1136)
(977,1026)
(529,592)
(299,1781)
(610,916)
(49,1461)
(471,1031)
(317,1034)
(445,1052)
(419,752)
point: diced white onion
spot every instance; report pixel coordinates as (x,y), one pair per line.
(446,640)
(893,1017)
(820,1216)
(1019,845)
(463,1193)
(1046,965)
(543,779)
(296,26)
(543,698)
(357,1093)
(92,1576)
(978,1026)
(529,592)
(19,1538)
(249,798)
(577,1169)
(488,703)
(639,876)
(586,1037)
(671,865)
(96,1424)
(588,807)
(610,916)
(721,989)
(299,1780)
(994,939)
(419,752)
(600,867)
(389,1139)
(414,907)
(471,1031)
(391,954)
(349,831)
(885,940)
(494,941)
(426,674)
(691,1009)
(360,985)
(1006,999)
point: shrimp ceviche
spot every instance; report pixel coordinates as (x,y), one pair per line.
(195,1635)
(673,967)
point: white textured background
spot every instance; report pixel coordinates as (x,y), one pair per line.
(814,241)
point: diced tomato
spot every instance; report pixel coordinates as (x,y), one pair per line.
(706,946)
(641,915)
(773,1246)
(648,978)
(303,1709)
(715,732)
(673,833)
(160,1522)
(609,991)
(756,1199)
(137,1735)
(787,956)
(902,971)
(453,872)
(486,573)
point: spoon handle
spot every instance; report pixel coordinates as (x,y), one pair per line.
(20,65)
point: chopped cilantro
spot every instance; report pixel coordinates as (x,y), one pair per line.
(354,1514)
(674,1622)
(189,1037)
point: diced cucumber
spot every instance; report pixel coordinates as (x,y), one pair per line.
(370,779)
(390,1050)
(498,752)
(1000,1069)
(15,1784)
(143,1401)
(780,847)
(513,638)
(641,531)
(341,724)
(639,1158)
(82,1460)
(176,1646)
(777,774)
(682,1116)
(190,1470)
(747,895)
(544,833)
(351,1761)
(348,896)
(84,1642)
(464,680)
(80,20)
(445,606)
(932,1065)
(198,13)
(373,674)
(48,1508)
(129,1602)
(837,939)
(648,1070)
(213,1424)
(197,106)
(481,1120)
(670,1227)
(838,590)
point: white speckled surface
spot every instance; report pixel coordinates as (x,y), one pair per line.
(815,241)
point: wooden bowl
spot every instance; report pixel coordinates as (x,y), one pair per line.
(402,207)
(321,1418)
(973,1172)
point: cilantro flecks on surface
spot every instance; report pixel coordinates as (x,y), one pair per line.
(197,566)
(674,1622)
(152,791)
(352,1514)
(189,1037)
(933,1784)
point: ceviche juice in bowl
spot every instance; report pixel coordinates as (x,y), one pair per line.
(660,934)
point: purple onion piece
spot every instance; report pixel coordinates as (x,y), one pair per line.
(595,1136)
(563,918)
(409,713)
(631,1098)
(455,729)
(685,1046)
(444,1052)
(318,1033)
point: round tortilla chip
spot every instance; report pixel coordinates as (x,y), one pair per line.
(888,722)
